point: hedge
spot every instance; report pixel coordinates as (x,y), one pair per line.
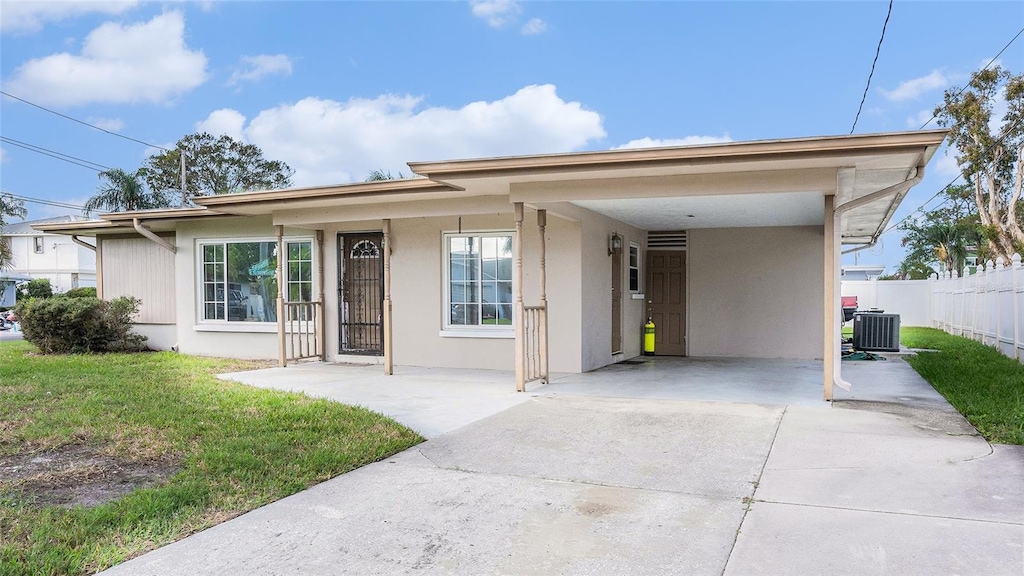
(80,325)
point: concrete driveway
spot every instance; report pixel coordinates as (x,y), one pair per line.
(576,483)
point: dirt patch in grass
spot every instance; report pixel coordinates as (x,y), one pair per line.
(78,475)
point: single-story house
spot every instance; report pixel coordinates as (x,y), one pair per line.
(548,262)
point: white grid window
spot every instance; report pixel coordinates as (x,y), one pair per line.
(478,287)
(634,267)
(239,278)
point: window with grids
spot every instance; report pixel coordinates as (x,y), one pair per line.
(634,267)
(479,280)
(239,279)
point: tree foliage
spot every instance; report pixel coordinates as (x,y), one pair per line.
(10,207)
(381,175)
(39,288)
(990,151)
(214,165)
(121,191)
(943,237)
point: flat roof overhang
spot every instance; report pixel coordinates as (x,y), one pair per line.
(774,182)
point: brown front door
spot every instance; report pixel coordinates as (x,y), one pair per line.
(360,293)
(617,301)
(666,295)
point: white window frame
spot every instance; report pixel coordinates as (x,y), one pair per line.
(629,268)
(203,324)
(449,330)
(38,245)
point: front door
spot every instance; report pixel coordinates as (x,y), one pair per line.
(360,293)
(617,300)
(666,288)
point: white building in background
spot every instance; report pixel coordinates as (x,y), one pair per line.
(862,272)
(55,257)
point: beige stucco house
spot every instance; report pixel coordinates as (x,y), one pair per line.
(537,263)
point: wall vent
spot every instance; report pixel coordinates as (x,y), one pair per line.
(876,332)
(666,240)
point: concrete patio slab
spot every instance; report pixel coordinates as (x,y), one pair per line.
(431,401)
(788,539)
(711,449)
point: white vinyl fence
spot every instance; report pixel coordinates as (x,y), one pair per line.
(986,306)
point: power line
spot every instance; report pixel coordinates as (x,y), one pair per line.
(54,203)
(1002,137)
(54,154)
(990,62)
(82,122)
(872,73)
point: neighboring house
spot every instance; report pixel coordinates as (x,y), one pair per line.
(8,288)
(55,257)
(527,263)
(862,272)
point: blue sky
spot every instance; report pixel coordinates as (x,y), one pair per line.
(339,88)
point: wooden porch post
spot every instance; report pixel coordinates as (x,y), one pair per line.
(281,257)
(542,221)
(389,366)
(321,330)
(828,355)
(520,313)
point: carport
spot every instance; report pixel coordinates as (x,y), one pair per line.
(759,230)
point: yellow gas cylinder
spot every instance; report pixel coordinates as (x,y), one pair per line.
(649,338)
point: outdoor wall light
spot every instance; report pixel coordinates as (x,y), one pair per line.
(614,244)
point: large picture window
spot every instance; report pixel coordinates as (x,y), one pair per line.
(479,280)
(239,279)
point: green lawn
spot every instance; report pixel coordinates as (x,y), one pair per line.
(223,448)
(985,386)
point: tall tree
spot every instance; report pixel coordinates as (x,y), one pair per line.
(990,151)
(214,165)
(121,191)
(945,235)
(10,207)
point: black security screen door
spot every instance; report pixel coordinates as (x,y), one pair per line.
(361,293)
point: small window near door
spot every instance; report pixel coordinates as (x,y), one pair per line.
(37,244)
(634,267)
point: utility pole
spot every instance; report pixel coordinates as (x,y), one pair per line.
(184,193)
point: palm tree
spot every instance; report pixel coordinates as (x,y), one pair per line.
(124,191)
(10,207)
(379,175)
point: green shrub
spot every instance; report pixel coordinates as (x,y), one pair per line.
(38,288)
(81,293)
(80,325)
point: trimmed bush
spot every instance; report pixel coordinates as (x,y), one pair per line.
(38,288)
(80,325)
(81,293)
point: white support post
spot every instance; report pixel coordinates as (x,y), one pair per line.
(542,222)
(281,257)
(1014,268)
(519,314)
(321,329)
(389,365)
(829,309)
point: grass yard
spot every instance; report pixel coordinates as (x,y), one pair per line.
(985,386)
(105,457)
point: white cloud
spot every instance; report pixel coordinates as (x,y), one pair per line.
(224,121)
(145,62)
(534,26)
(918,120)
(256,67)
(647,142)
(330,142)
(111,124)
(29,16)
(914,87)
(946,165)
(497,13)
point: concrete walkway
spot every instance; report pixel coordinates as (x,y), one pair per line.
(569,482)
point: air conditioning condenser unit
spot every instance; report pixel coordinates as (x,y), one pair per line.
(876,332)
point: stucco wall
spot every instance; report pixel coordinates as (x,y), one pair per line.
(756,292)
(255,340)
(417,286)
(158,336)
(596,291)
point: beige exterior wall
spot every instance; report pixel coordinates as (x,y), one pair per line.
(250,340)
(141,268)
(596,291)
(417,287)
(158,336)
(756,292)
